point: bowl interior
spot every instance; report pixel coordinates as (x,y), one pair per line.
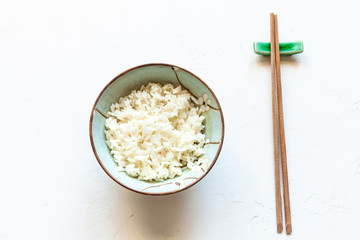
(132,79)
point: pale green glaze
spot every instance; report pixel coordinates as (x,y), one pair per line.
(122,85)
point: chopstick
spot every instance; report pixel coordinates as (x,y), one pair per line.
(279,219)
(282,133)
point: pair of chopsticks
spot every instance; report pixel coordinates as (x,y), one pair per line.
(278,131)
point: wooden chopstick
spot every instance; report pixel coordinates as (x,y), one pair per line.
(282,133)
(279,219)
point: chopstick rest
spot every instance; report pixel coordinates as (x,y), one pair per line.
(286,48)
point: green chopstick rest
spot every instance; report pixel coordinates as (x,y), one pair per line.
(286,48)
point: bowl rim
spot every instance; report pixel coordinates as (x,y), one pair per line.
(149,193)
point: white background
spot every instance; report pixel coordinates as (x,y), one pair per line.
(56,56)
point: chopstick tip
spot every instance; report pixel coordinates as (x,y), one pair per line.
(279,228)
(288,229)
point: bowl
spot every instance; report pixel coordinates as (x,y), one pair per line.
(132,79)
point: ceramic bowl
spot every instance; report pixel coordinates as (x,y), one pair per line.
(132,79)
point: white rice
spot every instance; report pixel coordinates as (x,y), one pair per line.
(155,133)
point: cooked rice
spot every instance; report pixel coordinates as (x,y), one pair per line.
(156,132)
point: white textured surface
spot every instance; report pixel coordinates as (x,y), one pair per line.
(56,56)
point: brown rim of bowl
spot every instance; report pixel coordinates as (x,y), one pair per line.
(165,193)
